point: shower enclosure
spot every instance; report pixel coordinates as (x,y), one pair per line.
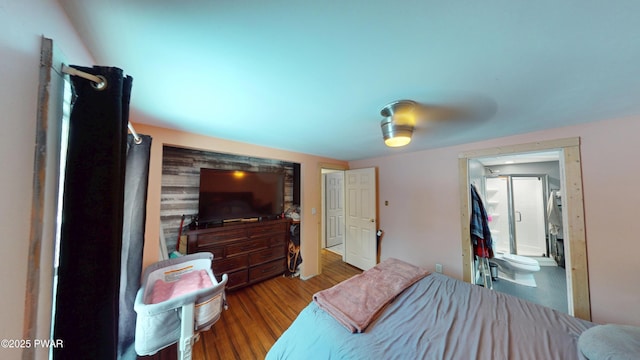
(516,205)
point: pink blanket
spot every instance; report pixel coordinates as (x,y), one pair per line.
(357,301)
(188,282)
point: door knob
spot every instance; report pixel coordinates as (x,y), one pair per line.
(372,220)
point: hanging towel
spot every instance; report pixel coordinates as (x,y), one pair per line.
(480,232)
(554,215)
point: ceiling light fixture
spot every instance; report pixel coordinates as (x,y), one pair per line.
(398,123)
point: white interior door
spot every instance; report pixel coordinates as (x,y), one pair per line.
(361,246)
(528,205)
(334,204)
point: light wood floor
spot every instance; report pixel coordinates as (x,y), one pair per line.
(259,314)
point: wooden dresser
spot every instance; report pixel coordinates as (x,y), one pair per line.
(248,252)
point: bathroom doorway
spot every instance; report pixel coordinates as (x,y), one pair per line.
(517,208)
(570,172)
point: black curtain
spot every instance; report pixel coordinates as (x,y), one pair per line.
(89,270)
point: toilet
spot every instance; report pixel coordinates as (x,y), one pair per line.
(515,268)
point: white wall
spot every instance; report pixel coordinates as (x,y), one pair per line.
(22,23)
(422,221)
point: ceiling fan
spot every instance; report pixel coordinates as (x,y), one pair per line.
(402,117)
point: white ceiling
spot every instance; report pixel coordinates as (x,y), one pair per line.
(312,76)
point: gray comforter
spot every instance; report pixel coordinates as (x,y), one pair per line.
(439,318)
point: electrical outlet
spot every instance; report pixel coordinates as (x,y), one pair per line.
(439,268)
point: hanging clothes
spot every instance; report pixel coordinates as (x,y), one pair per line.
(294,259)
(479,226)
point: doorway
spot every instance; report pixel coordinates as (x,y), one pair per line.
(518,222)
(573,223)
(324,170)
(349,215)
(334,211)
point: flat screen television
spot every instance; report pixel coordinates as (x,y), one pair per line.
(229,195)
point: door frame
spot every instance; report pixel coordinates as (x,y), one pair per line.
(574,225)
(321,195)
(40,283)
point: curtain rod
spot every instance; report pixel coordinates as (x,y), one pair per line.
(99,83)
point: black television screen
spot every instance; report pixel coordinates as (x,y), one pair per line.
(234,195)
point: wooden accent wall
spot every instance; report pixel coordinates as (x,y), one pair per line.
(181,182)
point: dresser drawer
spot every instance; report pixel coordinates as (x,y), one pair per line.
(219,236)
(237,279)
(266,255)
(217,251)
(246,246)
(267,270)
(268,229)
(229,264)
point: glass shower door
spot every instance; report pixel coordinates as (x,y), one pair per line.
(529,215)
(516,206)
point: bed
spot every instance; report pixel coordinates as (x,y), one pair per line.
(438,317)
